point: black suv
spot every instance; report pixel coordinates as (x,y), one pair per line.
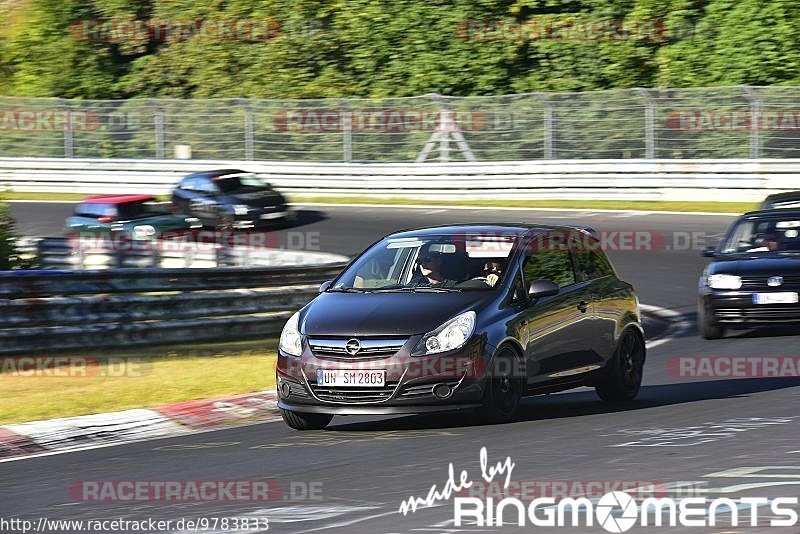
(462,318)
(230,199)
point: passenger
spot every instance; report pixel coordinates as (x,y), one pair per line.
(492,271)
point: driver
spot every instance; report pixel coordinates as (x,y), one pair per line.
(429,270)
(767,242)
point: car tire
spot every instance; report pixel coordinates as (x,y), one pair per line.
(503,390)
(708,329)
(225,222)
(306,421)
(622,377)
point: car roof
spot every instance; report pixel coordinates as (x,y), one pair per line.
(516,229)
(117,199)
(215,173)
(783,213)
(784,196)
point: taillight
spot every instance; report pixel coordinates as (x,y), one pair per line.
(105,219)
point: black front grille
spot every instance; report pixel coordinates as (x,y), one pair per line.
(354,394)
(760,282)
(369,347)
(765,313)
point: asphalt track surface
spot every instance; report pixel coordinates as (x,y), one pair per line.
(727,437)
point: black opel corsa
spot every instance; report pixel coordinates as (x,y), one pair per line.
(754,279)
(462,318)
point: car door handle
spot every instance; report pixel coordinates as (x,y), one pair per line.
(583,306)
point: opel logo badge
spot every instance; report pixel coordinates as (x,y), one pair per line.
(352,347)
(774,281)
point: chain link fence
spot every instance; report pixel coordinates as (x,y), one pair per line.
(722,122)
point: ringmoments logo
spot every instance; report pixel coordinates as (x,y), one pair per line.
(614,511)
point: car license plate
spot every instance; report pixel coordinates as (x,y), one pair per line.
(341,377)
(783,297)
(276,215)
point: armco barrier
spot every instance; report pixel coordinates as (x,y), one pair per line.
(69,253)
(631,179)
(46,310)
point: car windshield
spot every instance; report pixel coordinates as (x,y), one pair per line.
(430,263)
(764,236)
(234,182)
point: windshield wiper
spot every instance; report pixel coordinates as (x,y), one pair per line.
(347,290)
(417,289)
(436,289)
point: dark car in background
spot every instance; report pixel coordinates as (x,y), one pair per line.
(754,279)
(135,216)
(231,199)
(462,318)
(788,200)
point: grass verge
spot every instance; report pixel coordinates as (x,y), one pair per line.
(139,378)
(644,205)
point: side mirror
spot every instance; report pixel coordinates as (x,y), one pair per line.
(542,288)
(709,252)
(325,285)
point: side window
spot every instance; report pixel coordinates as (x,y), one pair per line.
(549,264)
(591,264)
(189,184)
(205,185)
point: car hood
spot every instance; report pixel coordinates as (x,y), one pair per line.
(765,265)
(385,314)
(160,222)
(256,197)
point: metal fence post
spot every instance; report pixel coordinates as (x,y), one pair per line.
(248,133)
(158,120)
(649,124)
(549,134)
(755,128)
(347,132)
(69,136)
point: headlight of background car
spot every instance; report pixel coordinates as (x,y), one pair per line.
(450,336)
(291,341)
(240,209)
(143,231)
(724,281)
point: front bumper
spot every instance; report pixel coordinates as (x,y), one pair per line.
(257,217)
(737,308)
(409,385)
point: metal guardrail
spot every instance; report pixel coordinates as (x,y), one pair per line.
(47,310)
(631,179)
(718,122)
(106,253)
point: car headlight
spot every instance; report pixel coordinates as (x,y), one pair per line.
(143,231)
(450,336)
(724,281)
(291,341)
(241,209)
